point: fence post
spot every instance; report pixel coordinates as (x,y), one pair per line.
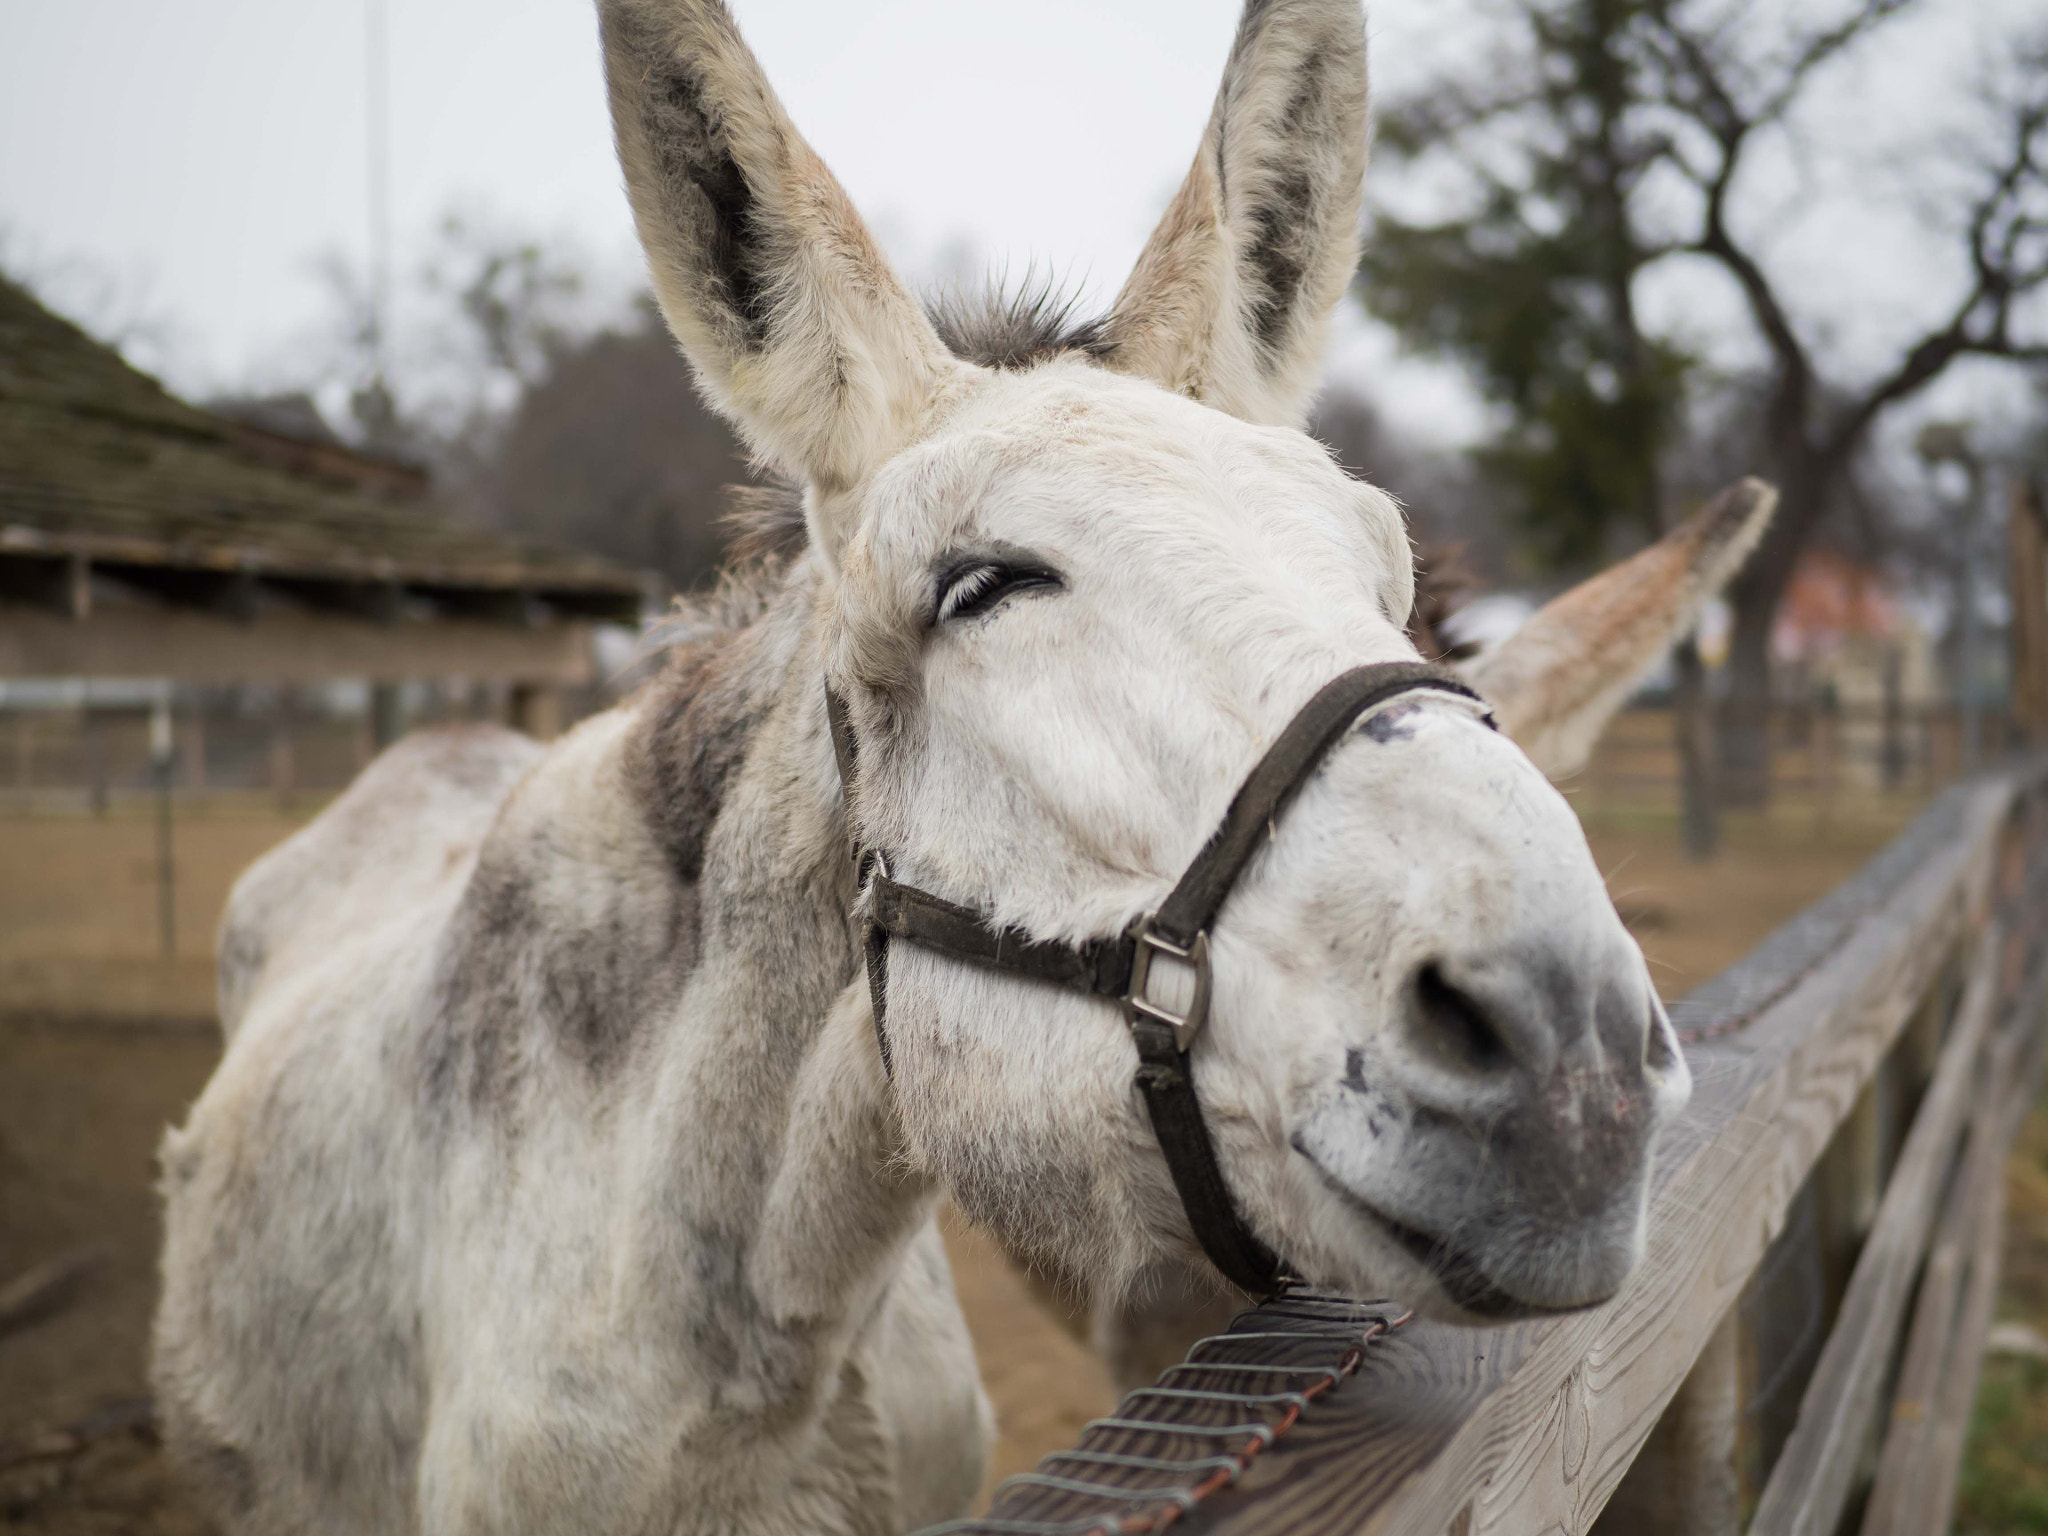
(192,748)
(537,710)
(387,714)
(160,759)
(1686,1480)
(1892,758)
(2027,541)
(283,761)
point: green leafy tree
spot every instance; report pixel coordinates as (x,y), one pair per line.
(1531,283)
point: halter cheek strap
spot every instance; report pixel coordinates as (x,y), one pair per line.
(1122,967)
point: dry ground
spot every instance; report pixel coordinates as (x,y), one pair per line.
(84,1098)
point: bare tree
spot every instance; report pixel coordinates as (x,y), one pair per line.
(1571,131)
(612,450)
(1722,92)
(536,416)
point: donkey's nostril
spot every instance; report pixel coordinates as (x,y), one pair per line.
(1453,1027)
(1660,1045)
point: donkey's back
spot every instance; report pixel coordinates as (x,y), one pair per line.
(298,1196)
(405,834)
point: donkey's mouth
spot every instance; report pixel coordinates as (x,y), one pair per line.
(1464,1279)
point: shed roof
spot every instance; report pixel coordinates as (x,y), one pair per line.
(100,463)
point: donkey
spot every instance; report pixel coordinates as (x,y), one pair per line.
(554,1180)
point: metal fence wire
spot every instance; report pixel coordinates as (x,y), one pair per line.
(1197,1428)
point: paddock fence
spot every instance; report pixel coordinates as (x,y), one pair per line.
(87,750)
(1798,1353)
(1827,759)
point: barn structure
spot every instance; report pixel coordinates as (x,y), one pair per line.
(144,538)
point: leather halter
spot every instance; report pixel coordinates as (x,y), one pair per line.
(1119,967)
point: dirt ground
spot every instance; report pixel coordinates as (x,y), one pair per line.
(85,1093)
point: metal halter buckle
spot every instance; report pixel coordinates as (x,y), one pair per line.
(1186,1025)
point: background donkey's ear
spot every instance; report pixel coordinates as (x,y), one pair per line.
(1556,682)
(1230,302)
(797,327)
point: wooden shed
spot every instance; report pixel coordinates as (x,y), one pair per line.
(141,536)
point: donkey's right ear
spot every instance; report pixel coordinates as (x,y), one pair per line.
(1231,300)
(798,329)
(1557,680)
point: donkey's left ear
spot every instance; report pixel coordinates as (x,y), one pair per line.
(1556,682)
(1230,302)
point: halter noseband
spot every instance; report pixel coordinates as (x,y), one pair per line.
(1119,967)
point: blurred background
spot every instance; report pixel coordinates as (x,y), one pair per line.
(333,404)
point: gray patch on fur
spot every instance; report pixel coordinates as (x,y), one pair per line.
(238,963)
(516,980)
(1396,724)
(692,739)
(700,178)
(1281,248)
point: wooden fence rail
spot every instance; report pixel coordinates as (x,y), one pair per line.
(1797,1354)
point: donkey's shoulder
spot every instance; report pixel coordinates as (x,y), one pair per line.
(410,822)
(572,933)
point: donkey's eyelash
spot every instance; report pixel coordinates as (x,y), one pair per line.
(979,587)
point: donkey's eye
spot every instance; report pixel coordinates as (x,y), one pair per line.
(977,586)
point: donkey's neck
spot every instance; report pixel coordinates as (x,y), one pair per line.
(776,1183)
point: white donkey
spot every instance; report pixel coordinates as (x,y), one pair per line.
(552,1180)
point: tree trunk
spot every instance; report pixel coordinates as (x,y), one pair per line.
(1804,480)
(1745,734)
(1694,725)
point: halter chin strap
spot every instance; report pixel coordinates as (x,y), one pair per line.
(1124,967)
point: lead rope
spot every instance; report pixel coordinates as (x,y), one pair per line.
(1119,968)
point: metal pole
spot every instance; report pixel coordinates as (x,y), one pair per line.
(377,110)
(1969,639)
(166,870)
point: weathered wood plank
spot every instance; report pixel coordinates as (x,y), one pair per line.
(1684,1481)
(1917,1473)
(1530,1427)
(1902,1463)
(195,646)
(1810,1485)
(1952,1404)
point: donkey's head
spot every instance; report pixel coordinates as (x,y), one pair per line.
(1070,592)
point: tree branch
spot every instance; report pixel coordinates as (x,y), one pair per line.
(2000,280)
(1823,46)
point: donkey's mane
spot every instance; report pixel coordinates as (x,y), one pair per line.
(1001,326)
(1005,327)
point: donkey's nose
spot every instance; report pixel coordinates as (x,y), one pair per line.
(1479,1029)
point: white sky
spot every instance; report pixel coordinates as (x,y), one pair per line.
(185,163)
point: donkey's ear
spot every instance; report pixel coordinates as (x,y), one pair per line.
(1230,302)
(1558,679)
(798,329)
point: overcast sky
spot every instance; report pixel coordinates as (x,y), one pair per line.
(185,164)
